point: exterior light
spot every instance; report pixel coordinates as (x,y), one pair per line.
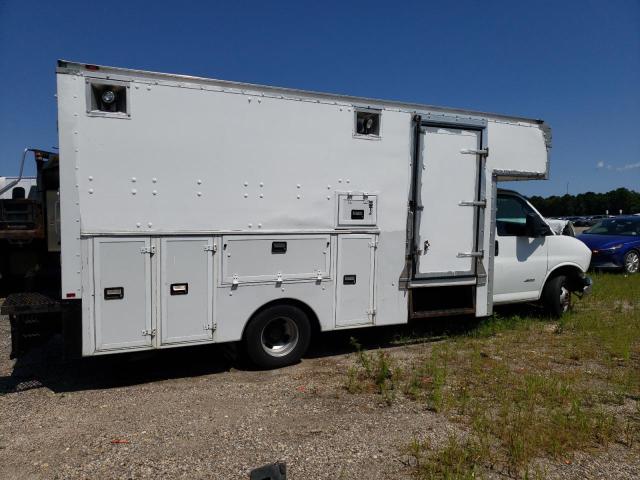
(108,97)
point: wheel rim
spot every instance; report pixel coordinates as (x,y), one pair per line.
(279,336)
(632,262)
(565,299)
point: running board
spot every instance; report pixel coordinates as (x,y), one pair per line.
(442,282)
(449,312)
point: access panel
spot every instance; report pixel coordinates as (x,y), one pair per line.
(355,280)
(122,293)
(272,258)
(186,283)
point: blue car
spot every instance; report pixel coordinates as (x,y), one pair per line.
(614,243)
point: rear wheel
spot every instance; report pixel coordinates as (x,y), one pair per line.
(556,296)
(632,262)
(277,336)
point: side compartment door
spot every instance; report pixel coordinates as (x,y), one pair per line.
(447,199)
(186,282)
(122,279)
(355,302)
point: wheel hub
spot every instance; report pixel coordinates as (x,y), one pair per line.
(632,262)
(565,299)
(279,337)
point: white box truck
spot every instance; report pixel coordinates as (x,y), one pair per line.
(197,211)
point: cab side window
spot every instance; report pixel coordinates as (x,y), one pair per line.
(511,216)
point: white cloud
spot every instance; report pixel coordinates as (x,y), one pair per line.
(628,166)
(623,168)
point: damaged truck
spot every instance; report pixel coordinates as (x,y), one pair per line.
(194,211)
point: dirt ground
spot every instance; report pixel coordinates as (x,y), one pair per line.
(192,413)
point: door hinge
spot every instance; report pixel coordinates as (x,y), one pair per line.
(479,203)
(148,250)
(212,326)
(211,248)
(472,151)
(149,333)
(371,312)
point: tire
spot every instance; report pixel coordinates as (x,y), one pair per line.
(277,336)
(556,297)
(632,262)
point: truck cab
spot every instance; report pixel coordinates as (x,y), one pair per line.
(532,263)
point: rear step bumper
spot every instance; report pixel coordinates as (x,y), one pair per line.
(34,318)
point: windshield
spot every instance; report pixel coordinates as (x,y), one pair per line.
(613,226)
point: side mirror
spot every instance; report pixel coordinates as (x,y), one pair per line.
(536,227)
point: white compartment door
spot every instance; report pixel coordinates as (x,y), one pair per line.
(355,280)
(186,282)
(446,223)
(122,282)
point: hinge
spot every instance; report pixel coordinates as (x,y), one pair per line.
(279,277)
(211,248)
(371,312)
(318,275)
(472,151)
(212,326)
(148,250)
(479,203)
(235,280)
(413,207)
(149,333)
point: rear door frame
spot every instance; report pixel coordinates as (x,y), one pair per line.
(413,232)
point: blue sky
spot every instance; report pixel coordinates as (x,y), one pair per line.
(575,64)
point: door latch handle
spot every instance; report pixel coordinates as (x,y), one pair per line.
(497,249)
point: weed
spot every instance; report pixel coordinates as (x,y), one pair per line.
(523,387)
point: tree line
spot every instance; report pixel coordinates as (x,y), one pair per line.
(589,203)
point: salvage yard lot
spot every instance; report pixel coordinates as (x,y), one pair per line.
(508,397)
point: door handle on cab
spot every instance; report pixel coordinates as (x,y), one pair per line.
(497,249)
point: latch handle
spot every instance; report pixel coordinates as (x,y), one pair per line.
(470,254)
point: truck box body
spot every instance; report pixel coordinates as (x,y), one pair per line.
(196,202)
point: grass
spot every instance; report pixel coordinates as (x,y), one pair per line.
(523,388)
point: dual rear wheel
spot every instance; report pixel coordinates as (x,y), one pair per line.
(277,336)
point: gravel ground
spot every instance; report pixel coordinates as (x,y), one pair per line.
(189,413)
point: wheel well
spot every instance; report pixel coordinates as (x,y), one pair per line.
(311,315)
(571,271)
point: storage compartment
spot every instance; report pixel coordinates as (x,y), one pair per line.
(186,286)
(355,280)
(442,301)
(357,209)
(122,292)
(275,258)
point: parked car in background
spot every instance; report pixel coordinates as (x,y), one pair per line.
(581,222)
(614,243)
